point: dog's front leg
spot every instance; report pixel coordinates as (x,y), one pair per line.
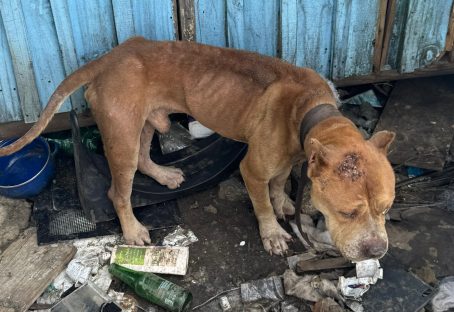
(274,238)
(282,204)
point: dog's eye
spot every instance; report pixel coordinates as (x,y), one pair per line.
(348,215)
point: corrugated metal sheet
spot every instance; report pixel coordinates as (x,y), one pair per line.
(9,101)
(419,33)
(335,38)
(307,33)
(42,41)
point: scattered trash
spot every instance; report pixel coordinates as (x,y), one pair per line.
(368,97)
(293,260)
(327,305)
(90,137)
(225,304)
(153,259)
(270,288)
(88,297)
(197,130)
(180,237)
(242,243)
(154,288)
(309,287)
(88,264)
(54,291)
(175,139)
(232,190)
(369,269)
(367,273)
(208,301)
(78,272)
(444,299)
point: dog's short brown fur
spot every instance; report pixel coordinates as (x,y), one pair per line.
(246,97)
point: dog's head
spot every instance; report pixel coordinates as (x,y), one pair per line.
(353,187)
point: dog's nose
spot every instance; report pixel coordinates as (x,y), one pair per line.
(374,248)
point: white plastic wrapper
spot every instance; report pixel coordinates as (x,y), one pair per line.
(180,238)
(367,273)
(78,272)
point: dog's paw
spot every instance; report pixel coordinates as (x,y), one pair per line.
(170,177)
(283,206)
(274,238)
(136,234)
(288,207)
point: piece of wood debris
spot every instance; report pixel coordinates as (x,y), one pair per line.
(313,265)
(26,270)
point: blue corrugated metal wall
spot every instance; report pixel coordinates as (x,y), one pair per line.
(42,41)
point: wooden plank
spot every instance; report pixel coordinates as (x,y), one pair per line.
(314,265)
(64,32)
(353,37)
(210,22)
(450,36)
(253,25)
(26,269)
(396,34)
(151,19)
(379,38)
(58,123)
(306,33)
(187,20)
(13,21)
(437,69)
(46,58)
(9,99)
(421,137)
(390,17)
(425,33)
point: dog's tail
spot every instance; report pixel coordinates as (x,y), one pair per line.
(73,82)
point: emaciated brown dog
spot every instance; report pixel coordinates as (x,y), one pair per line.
(246,97)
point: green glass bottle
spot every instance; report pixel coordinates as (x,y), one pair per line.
(154,288)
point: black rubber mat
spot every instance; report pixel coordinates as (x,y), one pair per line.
(59,215)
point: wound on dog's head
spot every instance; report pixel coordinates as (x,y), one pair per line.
(349,167)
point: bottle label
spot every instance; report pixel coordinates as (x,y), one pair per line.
(153,259)
(134,256)
(166,292)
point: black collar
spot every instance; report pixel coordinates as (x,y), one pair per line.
(314,116)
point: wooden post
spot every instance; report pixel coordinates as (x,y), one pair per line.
(379,38)
(186,20)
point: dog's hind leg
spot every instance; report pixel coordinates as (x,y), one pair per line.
(169,176)
(121,146)
(282,204)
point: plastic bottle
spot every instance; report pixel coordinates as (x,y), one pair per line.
(154,288)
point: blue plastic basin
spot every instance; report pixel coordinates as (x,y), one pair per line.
(26,172)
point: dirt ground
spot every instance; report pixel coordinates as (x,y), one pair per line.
(421,242)
(222,218)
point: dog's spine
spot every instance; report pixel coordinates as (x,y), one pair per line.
(73,82)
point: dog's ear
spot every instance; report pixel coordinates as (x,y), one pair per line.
(318,158)
(382,140)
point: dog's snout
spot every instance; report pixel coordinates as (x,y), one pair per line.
(374,248)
